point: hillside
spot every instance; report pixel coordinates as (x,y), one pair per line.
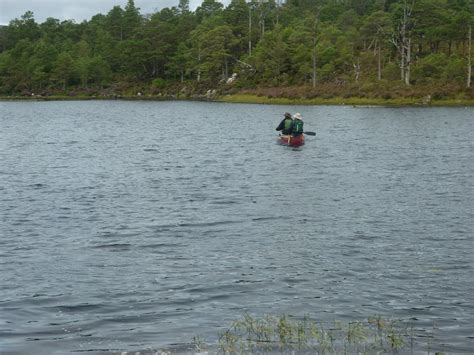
(301,49)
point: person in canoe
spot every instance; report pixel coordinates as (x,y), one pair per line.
(286,124)
(297,126)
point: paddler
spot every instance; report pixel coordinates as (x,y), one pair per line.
(286,124)
(297,126)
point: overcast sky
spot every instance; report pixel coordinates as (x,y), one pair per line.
(77,9)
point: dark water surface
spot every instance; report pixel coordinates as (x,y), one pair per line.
(135,225)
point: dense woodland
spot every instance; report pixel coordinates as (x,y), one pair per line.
(349,46)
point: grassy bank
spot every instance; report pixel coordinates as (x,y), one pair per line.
(260,99)
(324,94)
(356,101)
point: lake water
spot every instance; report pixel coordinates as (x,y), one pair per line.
(136,225)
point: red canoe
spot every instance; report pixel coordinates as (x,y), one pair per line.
(291,141)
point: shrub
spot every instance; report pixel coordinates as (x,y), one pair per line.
(429,67)
(455,70)
(158,83)
(327,72)
(391,72)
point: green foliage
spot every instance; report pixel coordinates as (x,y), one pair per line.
(272,57)
(432,65)
(328,72)
(64,69)
(21,29)
(455,70)
(391,71)
(283,334)
(159,83)
(440,67)
(300,42)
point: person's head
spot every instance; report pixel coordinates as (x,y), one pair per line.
(287,115)
(298,116)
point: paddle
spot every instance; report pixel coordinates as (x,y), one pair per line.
(308,133)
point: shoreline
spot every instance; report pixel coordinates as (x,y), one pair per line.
(340,101)
(261,100)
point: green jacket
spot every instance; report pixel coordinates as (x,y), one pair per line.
(297,128)
(285,126)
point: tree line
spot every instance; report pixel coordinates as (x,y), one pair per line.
(267,43)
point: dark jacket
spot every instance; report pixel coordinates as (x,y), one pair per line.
(285,126)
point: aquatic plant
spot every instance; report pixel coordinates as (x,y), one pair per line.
(285,334)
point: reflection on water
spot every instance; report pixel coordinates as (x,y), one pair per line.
(135,225)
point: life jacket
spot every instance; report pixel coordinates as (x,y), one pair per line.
(287,125)
(297,127)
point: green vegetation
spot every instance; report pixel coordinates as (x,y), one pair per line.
(283,334)
(355,101)
(298,51)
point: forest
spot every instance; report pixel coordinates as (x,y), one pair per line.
(297,48)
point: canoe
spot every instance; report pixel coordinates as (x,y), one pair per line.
(291,141)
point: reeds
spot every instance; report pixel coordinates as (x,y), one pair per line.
(284,334)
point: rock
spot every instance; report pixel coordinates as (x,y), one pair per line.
(426,100)
(210,93)
(231,79)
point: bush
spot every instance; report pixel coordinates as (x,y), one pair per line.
(455,70)
(429,67)
(327,72)
(158,83)
(391,72)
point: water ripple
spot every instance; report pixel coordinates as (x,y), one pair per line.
(116,237)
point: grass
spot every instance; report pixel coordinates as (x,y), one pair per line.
(356,101)
(250,98)
(286,335)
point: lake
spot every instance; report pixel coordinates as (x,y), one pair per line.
(128,225)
